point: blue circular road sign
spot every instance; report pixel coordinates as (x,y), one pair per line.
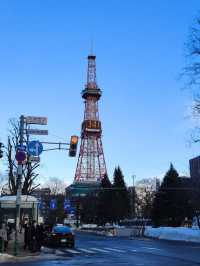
(35,148)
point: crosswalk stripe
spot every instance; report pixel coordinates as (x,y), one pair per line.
(47,250)
(116,250)
(73,251)
(100,250)
(60,252)
(151,248)
(87,250)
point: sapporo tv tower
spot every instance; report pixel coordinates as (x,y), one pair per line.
(91,166)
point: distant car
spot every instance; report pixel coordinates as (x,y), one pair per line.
(60,236)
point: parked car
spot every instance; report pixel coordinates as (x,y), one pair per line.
(60,235)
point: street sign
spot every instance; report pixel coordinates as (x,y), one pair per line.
(35,148)
(21,148)
(53,204)
(36,120)
(20,156)
(35,159)
(37,132)
(67,204)
(71,211)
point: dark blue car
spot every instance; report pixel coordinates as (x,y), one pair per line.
(60,236)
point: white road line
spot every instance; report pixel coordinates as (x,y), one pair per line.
(116,250)
(87,250)
(151,248)
(73,251)
(59,252)
(47,250)
(101,250)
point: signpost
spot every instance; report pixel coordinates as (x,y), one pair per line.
(21,157)
(35,148)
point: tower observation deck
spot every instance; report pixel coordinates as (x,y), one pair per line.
(91,166)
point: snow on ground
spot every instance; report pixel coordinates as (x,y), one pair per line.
(5,257)
(173,233)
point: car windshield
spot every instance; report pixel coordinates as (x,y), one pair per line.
(61,229)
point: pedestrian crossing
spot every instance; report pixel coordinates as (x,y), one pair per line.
(90,251)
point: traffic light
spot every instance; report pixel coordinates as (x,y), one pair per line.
(1,152)
(73,146)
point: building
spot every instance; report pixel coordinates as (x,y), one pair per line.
(195,168)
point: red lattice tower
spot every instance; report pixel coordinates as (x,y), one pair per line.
(91,166)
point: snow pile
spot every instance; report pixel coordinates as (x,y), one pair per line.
(173,233)
(5,257)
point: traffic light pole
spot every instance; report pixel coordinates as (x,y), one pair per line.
(19,189)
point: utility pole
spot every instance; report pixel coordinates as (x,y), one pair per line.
(19,188)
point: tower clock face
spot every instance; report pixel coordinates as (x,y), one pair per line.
(93,124)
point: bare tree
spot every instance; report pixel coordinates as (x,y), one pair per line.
(28,176)
(56,185)
(191,74)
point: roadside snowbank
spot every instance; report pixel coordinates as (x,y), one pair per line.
(5,257)
(173,233)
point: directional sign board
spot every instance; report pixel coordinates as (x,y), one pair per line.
(67,205)
(35,148)
(37,132)
(53,204)
(36,120)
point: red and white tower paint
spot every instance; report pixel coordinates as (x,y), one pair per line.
(91,166)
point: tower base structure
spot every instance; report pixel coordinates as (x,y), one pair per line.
(82,189)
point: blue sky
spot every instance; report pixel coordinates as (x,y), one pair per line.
(140,52)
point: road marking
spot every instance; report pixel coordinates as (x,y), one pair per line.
(87,250)
(73,251)
(116,250)
(47,250)
(101,250)
(59,252)
(152,248)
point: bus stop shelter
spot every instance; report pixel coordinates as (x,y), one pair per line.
(29,207)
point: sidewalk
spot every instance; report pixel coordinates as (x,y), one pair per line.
(21,252)
(9,255)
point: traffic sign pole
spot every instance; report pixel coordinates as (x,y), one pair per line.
(19,189)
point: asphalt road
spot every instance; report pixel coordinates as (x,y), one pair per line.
(105,251)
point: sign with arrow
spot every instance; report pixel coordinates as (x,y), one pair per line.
(35,148)
(53,204)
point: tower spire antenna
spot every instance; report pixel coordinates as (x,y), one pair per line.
(91,166)
(91,45)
